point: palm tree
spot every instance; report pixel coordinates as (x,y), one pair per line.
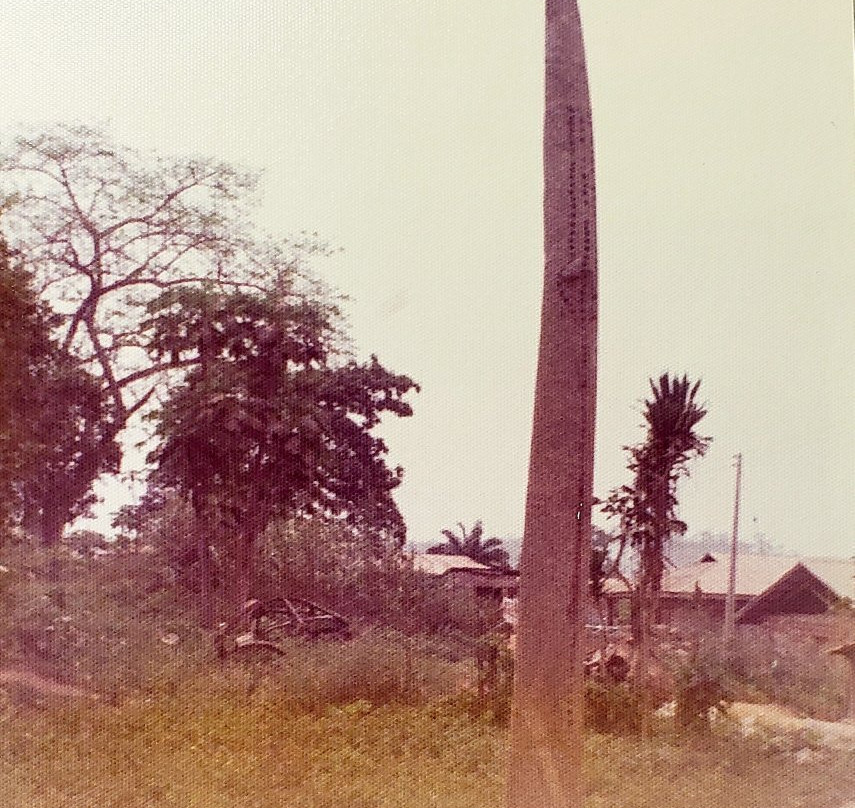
(672,413)
(648,507)
(547,713)
(472,544)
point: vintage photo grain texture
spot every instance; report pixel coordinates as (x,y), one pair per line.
(427,404)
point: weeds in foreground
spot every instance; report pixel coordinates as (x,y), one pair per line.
(252,751)
(364,723)
(217,748)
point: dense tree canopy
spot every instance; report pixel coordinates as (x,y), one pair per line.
(272,421)
(160,301)
(24,342)
(55,425)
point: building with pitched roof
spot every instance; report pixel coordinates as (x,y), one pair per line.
(463,572)
(765,585)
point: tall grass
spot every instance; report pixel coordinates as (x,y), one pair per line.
(195,750)
(372,723)
(219,747)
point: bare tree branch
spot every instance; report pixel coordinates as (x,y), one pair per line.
(105,230)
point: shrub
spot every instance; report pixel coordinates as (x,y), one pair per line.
(782,660)
(378,667)
(612,707)
(699,693)
(491,699)
(369,583)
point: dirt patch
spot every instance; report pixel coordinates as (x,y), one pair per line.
(27,680)
(775,718)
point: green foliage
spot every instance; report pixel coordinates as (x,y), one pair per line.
(378,667)
(701,691)
(366,580)
(123,622)
(23,342)
(75,439)
(610,707)
(161,521)
(56,435)
(271,422)
(97,621)
(197,750)
(216,747)
(491,697)
(106,229)
(601,564)
(355,573)
(785,664)
(647,508)
(372,722)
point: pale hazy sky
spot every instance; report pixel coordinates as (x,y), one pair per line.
(408,133)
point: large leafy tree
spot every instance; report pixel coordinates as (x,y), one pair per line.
(547,712)
(272,421)
(56,435)
(472,543)
(105,229)
(75,443)
(24,341)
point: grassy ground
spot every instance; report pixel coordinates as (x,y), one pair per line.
(225,753)
(368,723)
(213,748)
(720,770)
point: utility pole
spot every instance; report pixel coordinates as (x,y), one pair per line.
(729,606)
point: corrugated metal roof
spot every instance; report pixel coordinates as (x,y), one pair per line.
(756,573)
(839,574)
(436,564)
